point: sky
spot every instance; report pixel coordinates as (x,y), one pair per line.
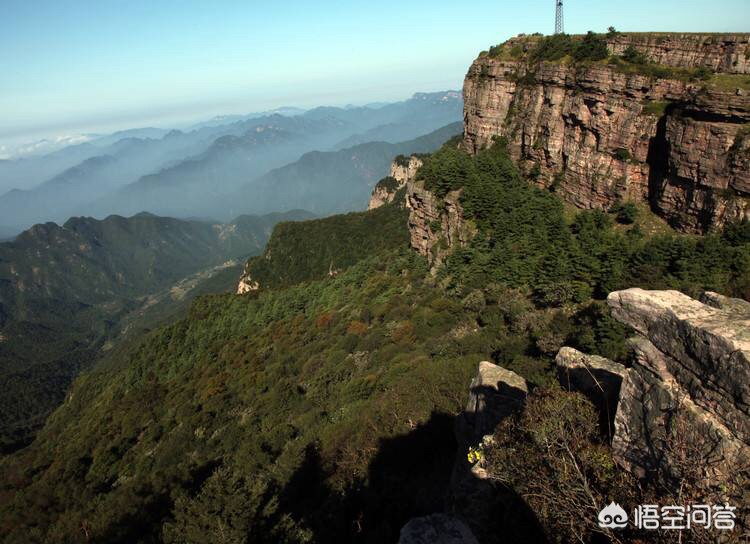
(76,66)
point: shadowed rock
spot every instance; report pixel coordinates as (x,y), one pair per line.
(436,529)
(495,393)
(597,378)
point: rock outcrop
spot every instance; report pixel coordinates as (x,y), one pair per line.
(598,378)
(602,133)
(685,402)
(472,500)
(495,393)
(403,170)
(436,529)
(436,226)
(719,53)
(693,364)
(247,284)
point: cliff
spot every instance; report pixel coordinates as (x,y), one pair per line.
(403,169)
(669,128)
(436,225)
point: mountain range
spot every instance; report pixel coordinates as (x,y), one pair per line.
(66,293)
(177,172)
(456,363)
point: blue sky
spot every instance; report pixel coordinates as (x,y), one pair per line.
(94,65)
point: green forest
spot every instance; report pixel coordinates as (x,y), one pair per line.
(321,408)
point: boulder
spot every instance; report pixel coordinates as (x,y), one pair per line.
(494,394)
(436,529)
(705,349)
(685,400)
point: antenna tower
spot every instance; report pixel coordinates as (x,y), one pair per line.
(559,25)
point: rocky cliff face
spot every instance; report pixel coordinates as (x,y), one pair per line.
(403,169)
(720,53)
(685,402)
(600,133)
(436,226)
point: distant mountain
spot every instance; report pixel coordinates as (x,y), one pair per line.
(101,170)
(177,173)
(207,184)
(329,182)
(59,197)
(182,189)
(65,290)
(160,148)
(27,172)
(144,133)
(227,119)
(43,147)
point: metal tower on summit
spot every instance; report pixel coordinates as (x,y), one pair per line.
(559,26)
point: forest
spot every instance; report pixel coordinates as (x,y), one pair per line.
(321,408)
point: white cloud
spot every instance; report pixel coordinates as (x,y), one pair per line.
(40,147)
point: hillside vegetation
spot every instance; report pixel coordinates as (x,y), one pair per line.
(322,410)
(311,250)
(65,289)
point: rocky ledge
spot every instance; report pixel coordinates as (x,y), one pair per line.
(685,401)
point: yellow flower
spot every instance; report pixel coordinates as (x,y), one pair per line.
(475,455)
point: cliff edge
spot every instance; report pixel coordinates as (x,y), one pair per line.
(661,118)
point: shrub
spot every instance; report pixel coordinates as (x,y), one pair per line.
(552,454)
(388,183)
(655,108)
(632,55)
(232,509)
(357,328)
(496,50)
(592,47)
(626,213)
(553,47)
(516,51)
(702,74)
(402,160)
(622,154)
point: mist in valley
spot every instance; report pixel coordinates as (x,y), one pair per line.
(325,160)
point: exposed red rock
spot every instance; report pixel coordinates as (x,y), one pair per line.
(600,135)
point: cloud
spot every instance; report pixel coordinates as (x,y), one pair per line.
(39,147)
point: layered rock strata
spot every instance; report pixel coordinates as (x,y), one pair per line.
(436,226)
(599,134)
